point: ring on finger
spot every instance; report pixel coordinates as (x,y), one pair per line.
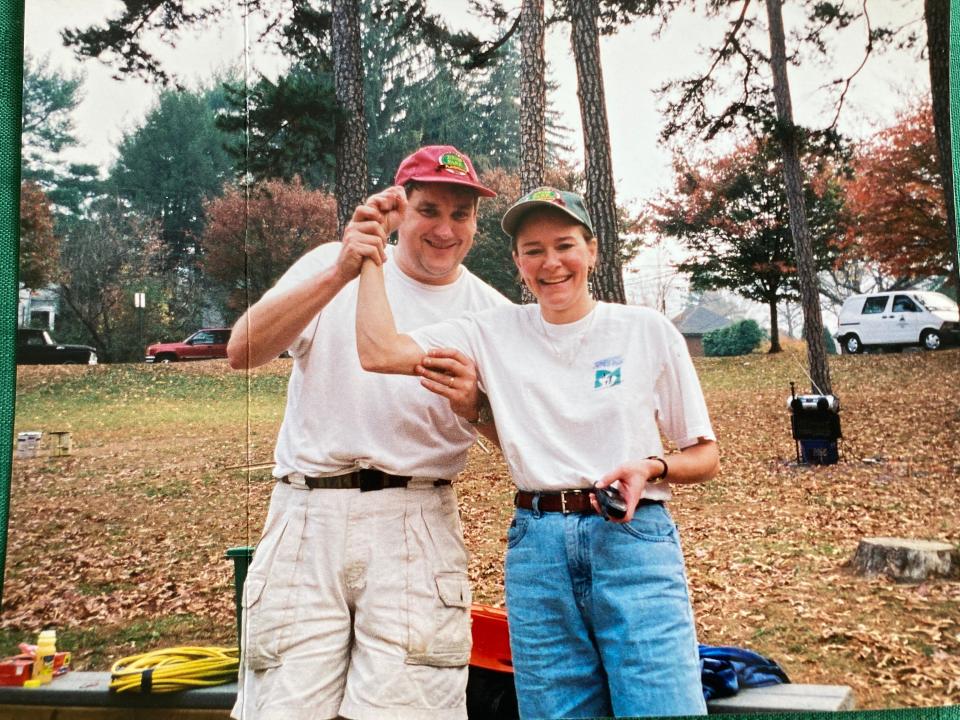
(451,381)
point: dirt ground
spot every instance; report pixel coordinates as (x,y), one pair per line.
(121,544)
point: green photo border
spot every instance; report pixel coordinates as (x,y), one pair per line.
(11,72)
(11,83)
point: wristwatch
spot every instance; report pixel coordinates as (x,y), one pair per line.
(484,412)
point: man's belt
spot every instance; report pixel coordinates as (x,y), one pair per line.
(365,480)
(565,501)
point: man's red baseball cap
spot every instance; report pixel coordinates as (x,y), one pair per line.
(441,164)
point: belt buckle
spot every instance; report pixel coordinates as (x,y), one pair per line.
(563,502)
(295,480)
(371,479)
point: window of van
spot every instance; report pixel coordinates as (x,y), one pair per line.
(901,303)
(875,305)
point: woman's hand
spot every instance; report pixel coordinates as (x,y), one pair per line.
(631,479)
(453,375)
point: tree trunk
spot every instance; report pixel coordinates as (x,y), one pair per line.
(533,108)
(600,197)
(793,178)
(937,16)
(533,90)
(906,560)
(788,314)
(351,180)
(101,344)
(774,328)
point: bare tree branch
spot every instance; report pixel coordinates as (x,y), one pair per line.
(849,80)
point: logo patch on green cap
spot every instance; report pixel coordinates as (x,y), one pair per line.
(546,195)
(453,163)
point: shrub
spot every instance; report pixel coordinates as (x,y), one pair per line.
(828,342)
(741,338)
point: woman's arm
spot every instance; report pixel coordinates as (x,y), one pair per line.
(381,348)
(444,371)
(694,464)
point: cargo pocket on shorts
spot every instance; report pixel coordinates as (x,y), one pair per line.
(269,600)
(449,645)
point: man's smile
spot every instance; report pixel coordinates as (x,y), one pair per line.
(441,244)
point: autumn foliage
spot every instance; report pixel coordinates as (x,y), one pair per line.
(731,214)
(249,243)
(39,247)
(898,216)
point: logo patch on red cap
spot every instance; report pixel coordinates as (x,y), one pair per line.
(453,163)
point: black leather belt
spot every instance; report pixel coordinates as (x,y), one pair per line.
(366,480)
(565,501)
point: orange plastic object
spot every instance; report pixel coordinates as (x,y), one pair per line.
(491,639)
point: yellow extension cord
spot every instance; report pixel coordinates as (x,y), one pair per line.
(174,669)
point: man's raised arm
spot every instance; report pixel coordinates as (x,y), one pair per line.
(272,324)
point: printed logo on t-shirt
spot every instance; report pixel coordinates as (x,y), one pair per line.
(607,372)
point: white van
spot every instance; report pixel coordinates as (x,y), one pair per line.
(898,319)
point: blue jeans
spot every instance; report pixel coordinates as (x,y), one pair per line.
(600,617)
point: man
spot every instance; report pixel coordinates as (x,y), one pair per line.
(357,601)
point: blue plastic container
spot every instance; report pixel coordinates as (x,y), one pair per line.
(819,452)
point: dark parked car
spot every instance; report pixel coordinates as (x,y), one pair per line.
(36,347)
(204,344)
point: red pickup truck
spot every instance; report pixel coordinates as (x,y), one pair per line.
(204,344)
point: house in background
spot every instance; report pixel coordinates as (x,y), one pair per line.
(696,321)
(38,308)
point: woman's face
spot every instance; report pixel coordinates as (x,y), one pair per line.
(554,260)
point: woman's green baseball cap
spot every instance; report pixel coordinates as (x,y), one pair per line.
(568,202)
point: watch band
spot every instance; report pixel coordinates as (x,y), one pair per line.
(656,480)
(484,412)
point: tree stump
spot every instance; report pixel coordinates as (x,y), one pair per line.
(905,559)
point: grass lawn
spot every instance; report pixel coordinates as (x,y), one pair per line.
(120,545)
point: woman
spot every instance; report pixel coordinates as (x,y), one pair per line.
(599,613)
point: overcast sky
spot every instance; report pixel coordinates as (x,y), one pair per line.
(634,65)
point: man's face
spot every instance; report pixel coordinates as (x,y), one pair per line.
(436,232)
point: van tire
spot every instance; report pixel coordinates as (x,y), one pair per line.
(930,340)
(851,345)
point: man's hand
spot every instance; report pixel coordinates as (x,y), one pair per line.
(392,204)
(632,479)
(453,375)
(366,234)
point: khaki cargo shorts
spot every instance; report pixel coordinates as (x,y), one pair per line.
(358,605)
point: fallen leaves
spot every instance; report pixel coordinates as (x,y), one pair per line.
(133,526)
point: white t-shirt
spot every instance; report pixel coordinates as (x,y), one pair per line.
(574,401)
(338,416)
